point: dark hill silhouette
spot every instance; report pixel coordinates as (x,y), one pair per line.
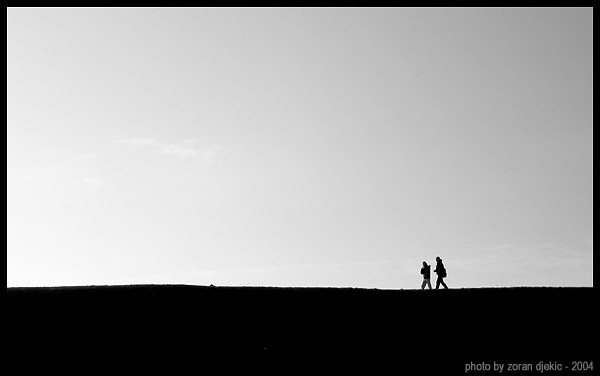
(179,327)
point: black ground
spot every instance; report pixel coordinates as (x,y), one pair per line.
(179,329)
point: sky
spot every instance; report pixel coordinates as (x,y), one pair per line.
(299,146)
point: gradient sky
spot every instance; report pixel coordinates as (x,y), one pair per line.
(299,147)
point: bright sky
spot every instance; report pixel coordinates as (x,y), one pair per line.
(299,147)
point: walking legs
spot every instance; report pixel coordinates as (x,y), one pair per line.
(440,281)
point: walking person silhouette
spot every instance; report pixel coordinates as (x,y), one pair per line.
(441,272)
(426,272)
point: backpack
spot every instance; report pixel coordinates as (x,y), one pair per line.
(442,272)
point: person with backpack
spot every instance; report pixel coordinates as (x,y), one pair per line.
(426,272)
(441,273)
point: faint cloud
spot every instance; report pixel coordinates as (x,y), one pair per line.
(93,182)
(501,247)
(137,141)
(178,151)
(184,149)
(84,182)
(547,245)
(86,157)
(33,178)
(211,152)
(190,141)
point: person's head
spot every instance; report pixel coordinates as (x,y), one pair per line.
(424,264)
(438,259)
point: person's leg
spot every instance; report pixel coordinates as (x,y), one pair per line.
(443,283)
(423,284)
(437,283)
(429,283)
